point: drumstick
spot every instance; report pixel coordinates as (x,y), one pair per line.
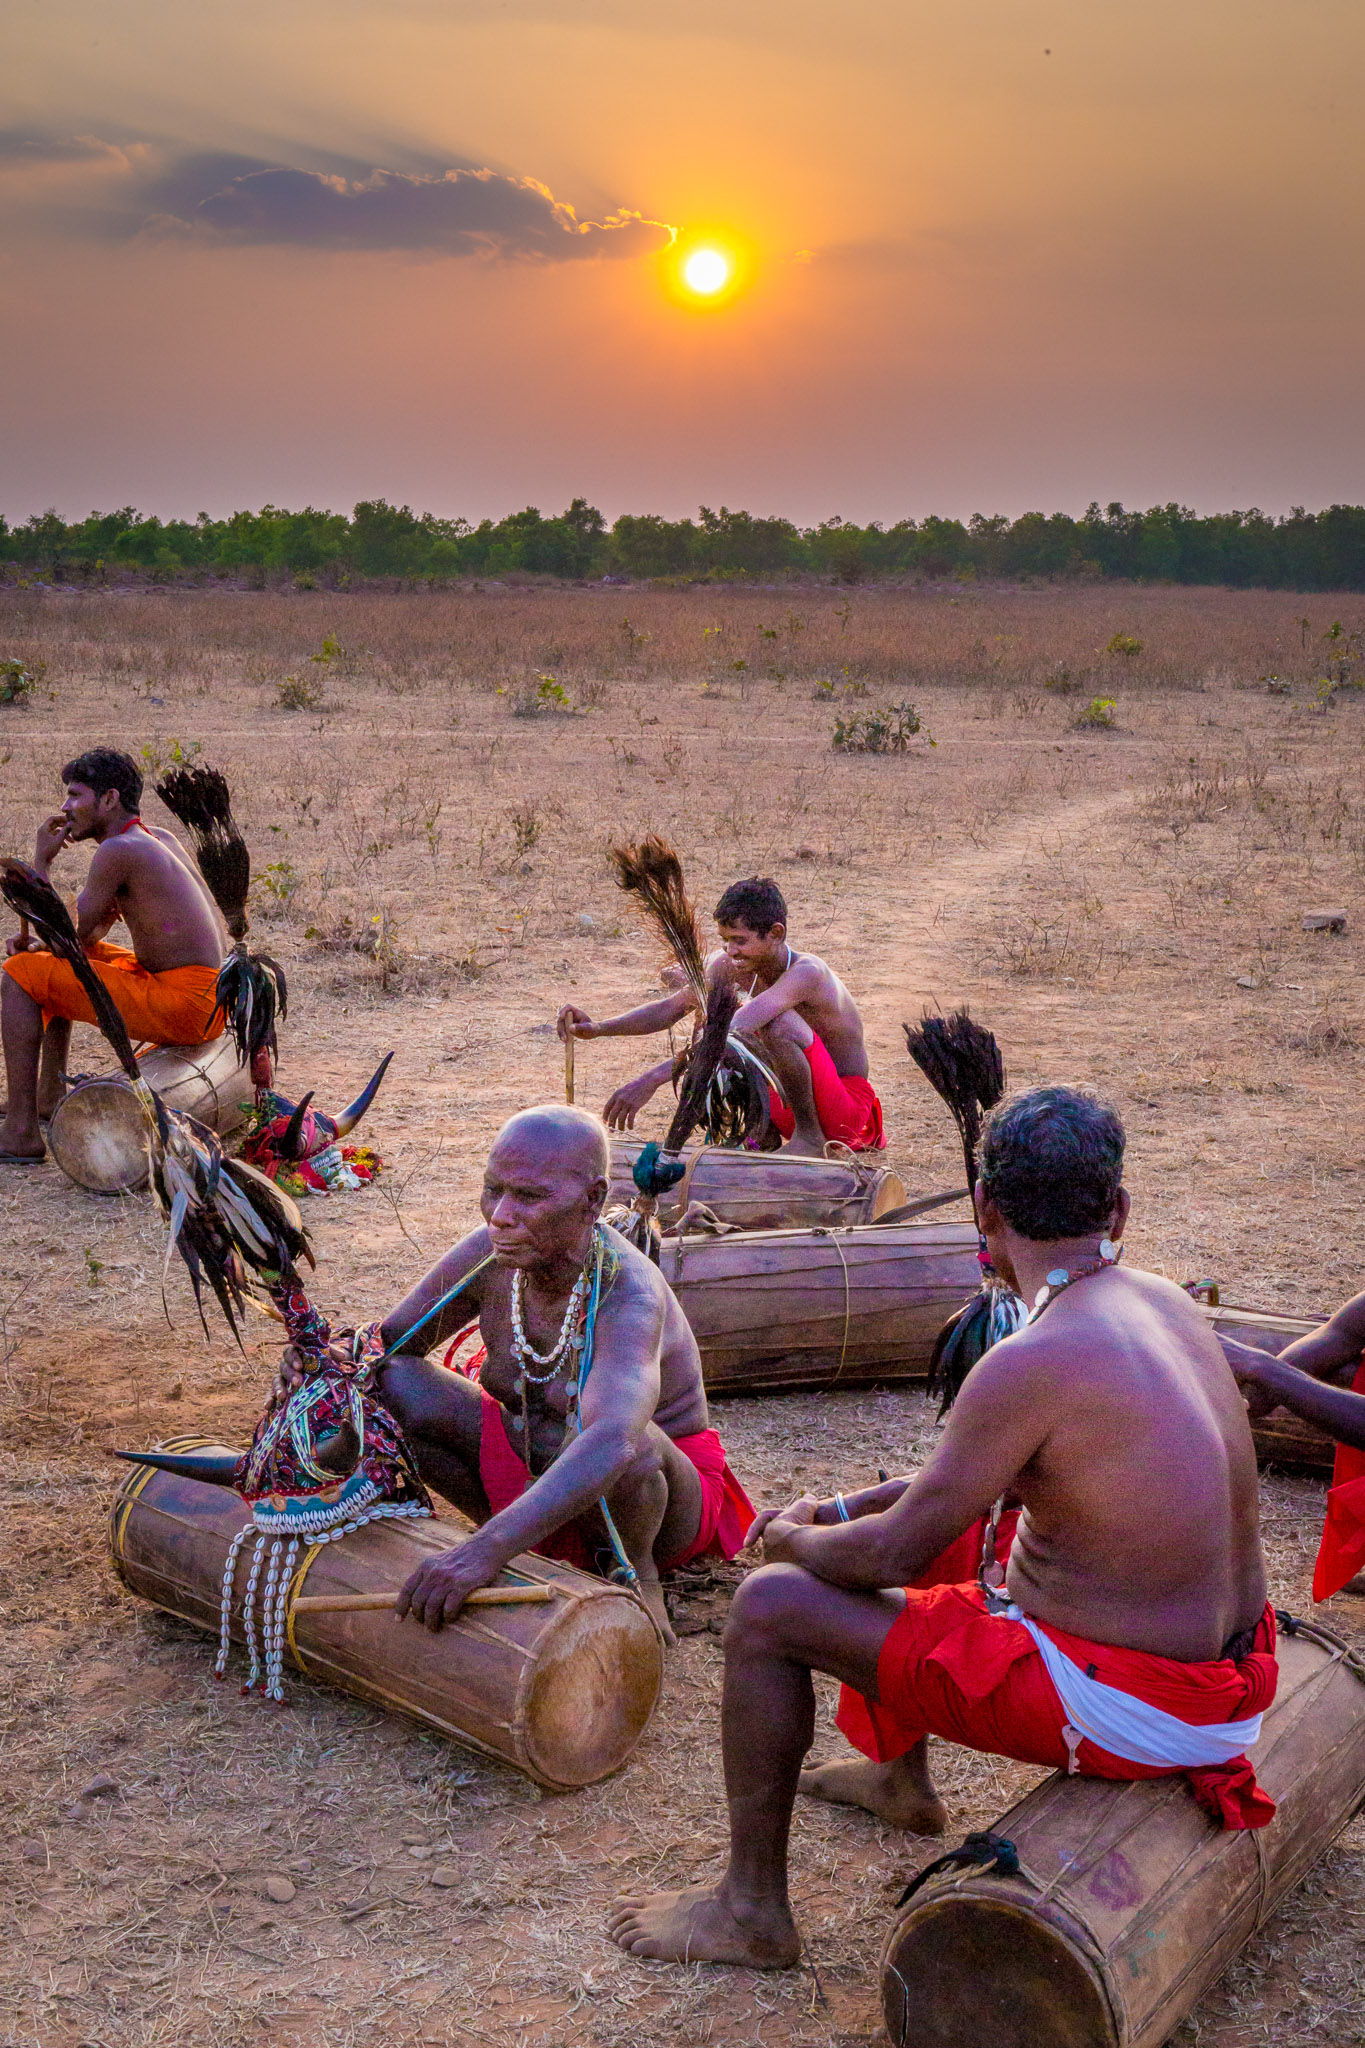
(568,1064)
(374,1603)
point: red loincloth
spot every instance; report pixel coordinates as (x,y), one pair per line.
(949,1668)
(726,1510)
(846,1104)
(177,1007)
(1341,1553)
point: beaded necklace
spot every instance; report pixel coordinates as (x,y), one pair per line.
(565,1349)
(1059,1279)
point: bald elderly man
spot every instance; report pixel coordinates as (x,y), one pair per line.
(588,1386)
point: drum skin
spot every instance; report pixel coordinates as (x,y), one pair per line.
(97,1136)
(766,1190)
(820,1308)
(1134,1900)
(563,1691)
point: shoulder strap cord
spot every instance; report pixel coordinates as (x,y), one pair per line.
(625,1573)
(435,1309)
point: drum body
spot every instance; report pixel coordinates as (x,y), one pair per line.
(1280,1438)
(563,1691)
(766,1190)
(1134,1900)
(819,1308)
(96,1134)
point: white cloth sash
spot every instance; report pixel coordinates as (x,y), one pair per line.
(1131,1728)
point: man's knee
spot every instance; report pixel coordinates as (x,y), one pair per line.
(770,1608)
(647,1462)
(789,1029)
(415,1395)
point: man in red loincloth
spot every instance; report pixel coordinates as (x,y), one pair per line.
(589,1387)
(1321,1377)
(798,1012)
(1131,1637)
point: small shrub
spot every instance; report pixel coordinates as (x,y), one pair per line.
(1126,645)
(547,697)
(177,754)
(281,881)
(1098,715)
(1061,682)
(888,731)
(18,683)
(299,693)
(526,825)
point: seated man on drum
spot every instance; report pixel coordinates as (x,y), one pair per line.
(163,986)
(585,1433)
(1321,1378)
(1131,1637)
(802,1018)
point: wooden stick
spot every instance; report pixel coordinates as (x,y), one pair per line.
(568,1065)
(374,1603)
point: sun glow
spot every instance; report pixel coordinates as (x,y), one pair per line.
(706,271)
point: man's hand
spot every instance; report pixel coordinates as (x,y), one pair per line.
(1260,1398)
(574,1023)
(438,1589)
(775,1525)
(297,1366)
(22,942)
(50,841)
(625,1105)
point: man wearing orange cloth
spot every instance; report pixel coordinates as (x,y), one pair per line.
(1309,1378)
(802,1018)
(163,986)
(1131,1636)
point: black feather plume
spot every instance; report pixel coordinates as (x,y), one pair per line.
(962,1063)
(652,875)
(30,895)
(199,798)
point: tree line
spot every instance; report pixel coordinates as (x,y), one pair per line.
(1169,543)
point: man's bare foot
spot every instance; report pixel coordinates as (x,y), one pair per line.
(21,1139)
(884,1789)
(652,1593)
(804,1147)
(700,1926)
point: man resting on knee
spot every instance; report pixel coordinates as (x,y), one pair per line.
(589,1386)
(1131,1638)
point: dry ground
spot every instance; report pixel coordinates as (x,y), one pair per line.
(1122,906)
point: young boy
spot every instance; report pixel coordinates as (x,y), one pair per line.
(796,1009)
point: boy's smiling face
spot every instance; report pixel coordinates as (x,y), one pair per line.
(753,950)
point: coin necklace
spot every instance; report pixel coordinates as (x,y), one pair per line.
(524,1353)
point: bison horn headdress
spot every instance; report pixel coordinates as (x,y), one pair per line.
(326,1459)
(722,1085)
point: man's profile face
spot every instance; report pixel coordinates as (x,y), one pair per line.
(83,810)
(747,948)
(537,1210)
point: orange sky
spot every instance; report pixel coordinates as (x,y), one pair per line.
(1003,254)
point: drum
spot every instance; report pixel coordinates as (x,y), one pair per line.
(1129,1901)
(819,1308)
(562,1691)
(96,1134)
(766,1190)
(1280,1438)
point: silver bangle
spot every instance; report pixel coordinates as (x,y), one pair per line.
(841,1508)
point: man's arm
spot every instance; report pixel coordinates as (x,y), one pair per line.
(624,1104)
(637,1023)
(403,1322)
(97,906)
(617,1405)
(998,1423)
(798,984)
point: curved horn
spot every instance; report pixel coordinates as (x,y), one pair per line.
(215,1468)
(349,1118)
(339,1452)
(291,1142)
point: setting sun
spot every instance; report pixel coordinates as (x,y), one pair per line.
(706,271)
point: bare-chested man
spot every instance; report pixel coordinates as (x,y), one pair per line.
(1321,1377)
(529,1448)
(795,1007)
(163,986)
(1133,1635)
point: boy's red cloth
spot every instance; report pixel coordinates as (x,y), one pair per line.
(846,1104)
(1341,1554)
(726,1510)
(949,1668)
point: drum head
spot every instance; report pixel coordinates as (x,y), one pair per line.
(595,1685)
(966,1968)
(97,1138)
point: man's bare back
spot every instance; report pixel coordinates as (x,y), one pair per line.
(146,878)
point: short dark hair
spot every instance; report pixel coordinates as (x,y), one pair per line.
(1052,1162)
(758,904)
(101,768)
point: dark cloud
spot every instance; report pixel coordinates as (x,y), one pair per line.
(23,146)
(454,213)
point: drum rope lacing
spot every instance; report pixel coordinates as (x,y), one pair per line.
(833,1237)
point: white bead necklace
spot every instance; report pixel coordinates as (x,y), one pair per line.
(566,1346)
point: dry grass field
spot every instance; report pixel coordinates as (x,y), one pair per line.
(1123,905)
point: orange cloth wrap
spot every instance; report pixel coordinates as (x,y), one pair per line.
(176,1007)
(1341,1553)
(846,1104)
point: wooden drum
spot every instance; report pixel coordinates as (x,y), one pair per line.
(96,1134)
(563,1690)
(1280,1438)
(1130,1901)
(766,1190)
(819,1308)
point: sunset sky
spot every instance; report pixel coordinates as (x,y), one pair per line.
(992,254)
